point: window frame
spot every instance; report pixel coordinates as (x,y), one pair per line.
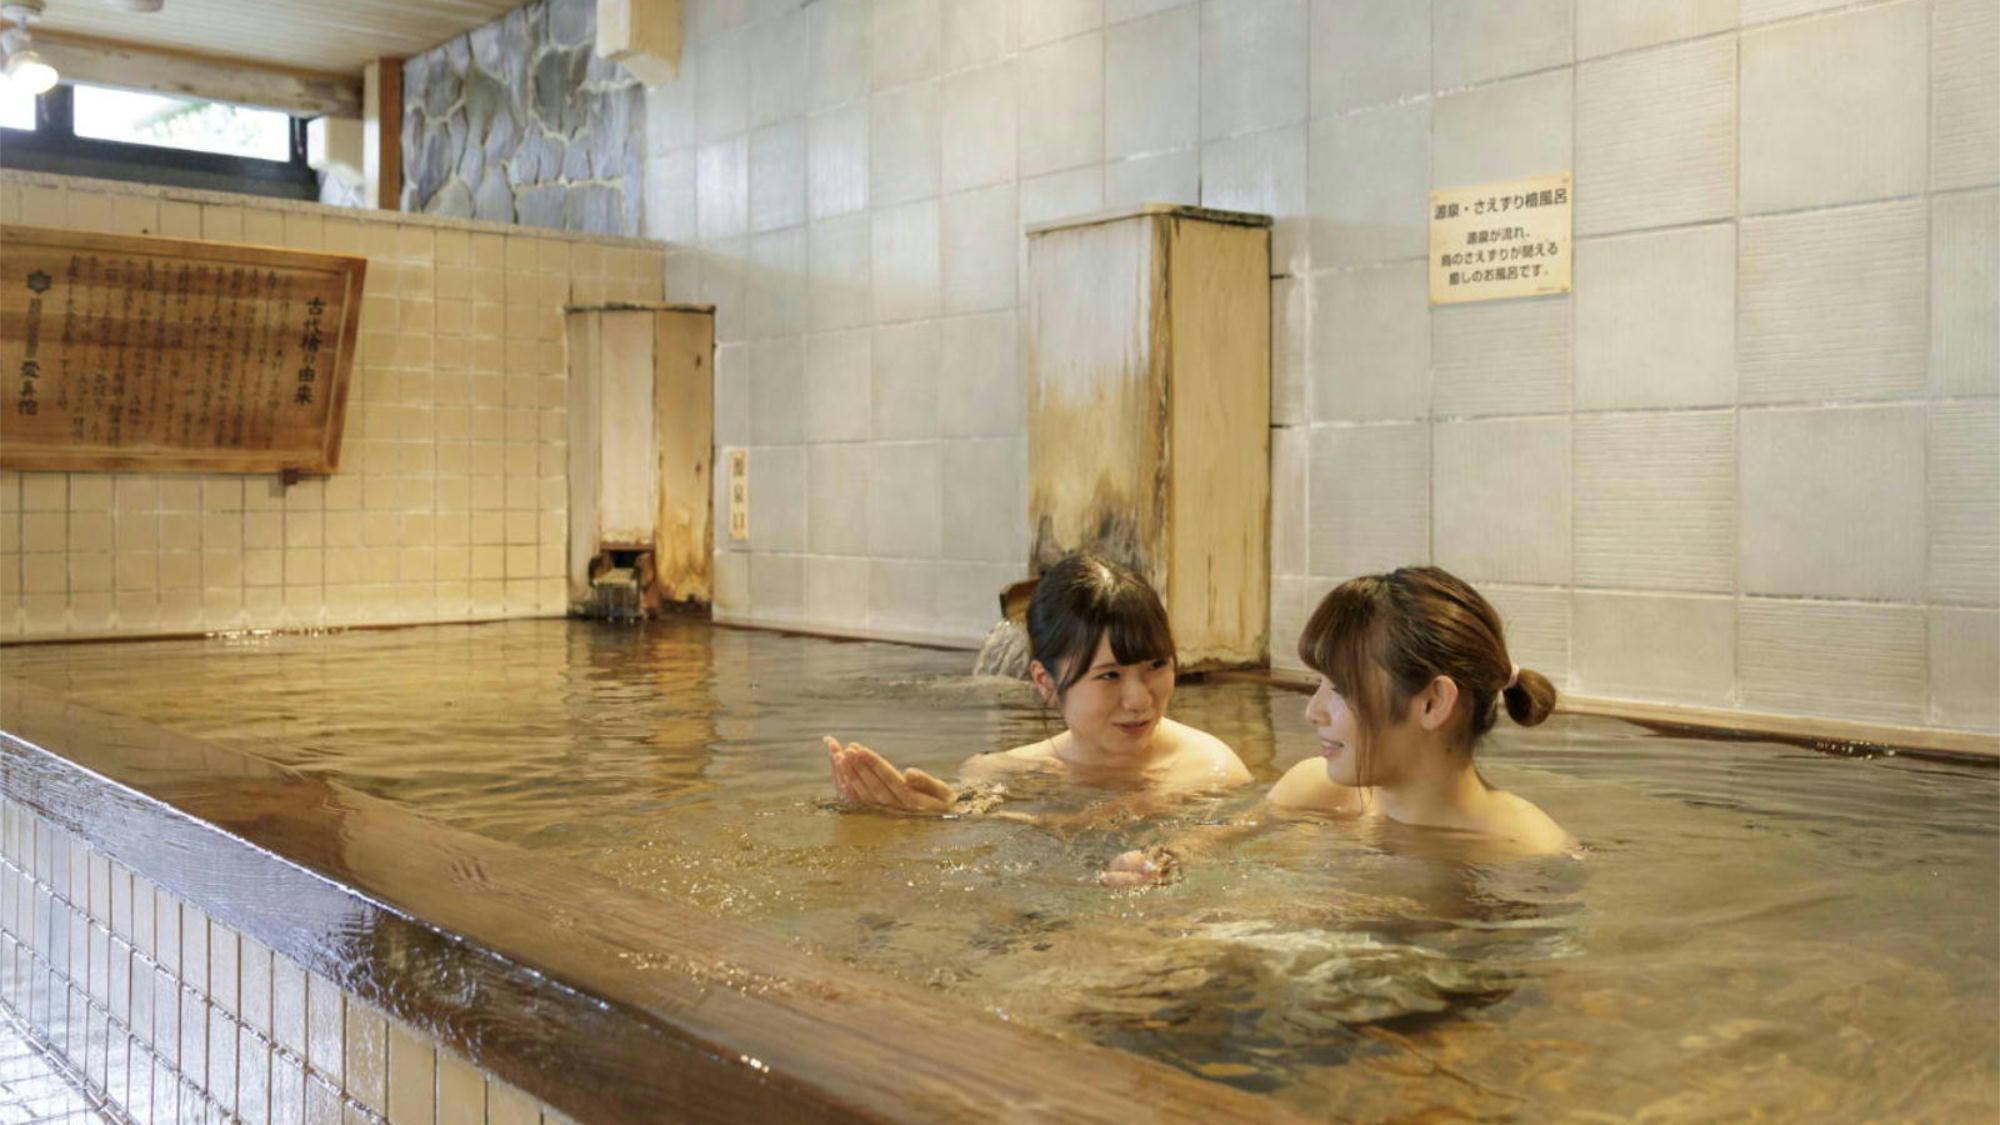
(53,146)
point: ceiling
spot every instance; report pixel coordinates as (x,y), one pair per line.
(337,36)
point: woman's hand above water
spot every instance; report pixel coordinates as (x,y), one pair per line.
(1143,867)
(864,777)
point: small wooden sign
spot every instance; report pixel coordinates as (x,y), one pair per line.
(739,494)
(1505,239)
(125,352)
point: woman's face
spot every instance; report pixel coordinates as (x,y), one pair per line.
(1115,708)
(1342,741)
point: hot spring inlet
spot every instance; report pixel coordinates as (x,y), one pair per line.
(594,867)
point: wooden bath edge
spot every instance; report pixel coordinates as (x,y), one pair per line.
(1830,735)
(609,1004)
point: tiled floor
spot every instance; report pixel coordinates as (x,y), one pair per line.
(32,1093)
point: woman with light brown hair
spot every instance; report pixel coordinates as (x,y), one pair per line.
(1413,671)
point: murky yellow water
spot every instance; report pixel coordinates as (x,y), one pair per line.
(1759,933)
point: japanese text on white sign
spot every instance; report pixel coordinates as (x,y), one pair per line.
(1506,239)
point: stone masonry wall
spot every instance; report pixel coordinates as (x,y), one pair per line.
(520,122)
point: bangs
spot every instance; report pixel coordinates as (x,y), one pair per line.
(1065,626)
(1343,640)
(1139,631)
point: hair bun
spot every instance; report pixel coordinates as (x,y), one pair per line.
(1530,698)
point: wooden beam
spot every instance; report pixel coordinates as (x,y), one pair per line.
(110,62)
(382,134)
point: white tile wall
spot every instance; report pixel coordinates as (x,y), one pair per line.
(1522,127)
(1964,666)
(1368,53)
(1501,500)
(1656,319)
(1965,289)
(1668,647)
(777,175)
(1165,177)
(1045,20)
(1371,347)
(903,144)
(1253,66)
(977,32)
(1370,499)
(1965,111)
(979,126)
(1594,459)
(450,500)
(980,391)
(905,386)
(1062,105)
(1805,332)
(838,48)
(1150,105)
(1833,108)
(1501,357)
(837,161)
(1656,137)
(1655,501)
(1607,26)
(906,40)
(1964,508)
(1825,502)
(1827,658)
(1481,40)
(1369,178)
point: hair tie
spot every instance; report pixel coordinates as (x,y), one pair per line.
(1513,679)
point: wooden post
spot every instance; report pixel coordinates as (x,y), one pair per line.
(1149,411)
(382,133)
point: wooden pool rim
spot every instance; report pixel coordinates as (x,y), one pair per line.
(1832,736)
(606,1003)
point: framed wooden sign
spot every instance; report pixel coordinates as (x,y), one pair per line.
(124,352)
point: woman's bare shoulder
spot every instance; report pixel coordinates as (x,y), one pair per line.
(1306,786)
(999,763)
(1206,755)
(1533,830)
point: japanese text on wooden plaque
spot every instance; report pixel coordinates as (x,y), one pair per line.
(1507,239)
(124,352)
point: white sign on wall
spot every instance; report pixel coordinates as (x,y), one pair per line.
(1504,239)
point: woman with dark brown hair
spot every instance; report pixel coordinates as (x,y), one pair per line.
(1103,653)
(1413,670)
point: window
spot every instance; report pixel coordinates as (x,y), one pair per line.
(170,122)
(84,130)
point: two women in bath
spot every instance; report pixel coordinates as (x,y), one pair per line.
(1413,667)
(1103,654)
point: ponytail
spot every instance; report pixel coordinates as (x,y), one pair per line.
(1529,698)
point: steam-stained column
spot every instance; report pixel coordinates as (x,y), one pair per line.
(1149,410)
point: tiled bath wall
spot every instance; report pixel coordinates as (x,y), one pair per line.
(451,496)
(1749,463)
(174,1017)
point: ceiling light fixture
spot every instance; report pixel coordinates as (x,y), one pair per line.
(27,71)
(137,5)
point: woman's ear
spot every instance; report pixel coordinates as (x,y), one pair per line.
(1436,704)
(1043,682)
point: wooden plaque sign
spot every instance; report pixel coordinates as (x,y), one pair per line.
(122,352)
